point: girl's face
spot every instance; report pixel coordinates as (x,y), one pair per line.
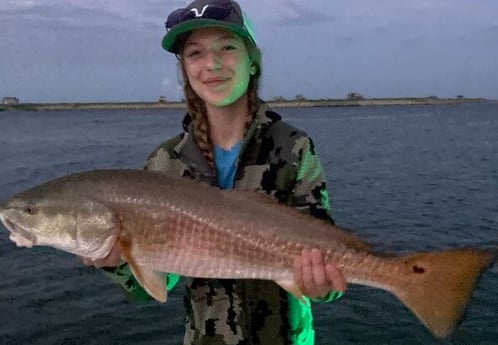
(217,65)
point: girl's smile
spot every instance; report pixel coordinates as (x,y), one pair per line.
(215,81)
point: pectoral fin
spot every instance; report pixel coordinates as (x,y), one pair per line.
(152,281)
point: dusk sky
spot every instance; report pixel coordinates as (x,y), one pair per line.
(98,50)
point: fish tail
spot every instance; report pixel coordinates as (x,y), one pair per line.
(441,285)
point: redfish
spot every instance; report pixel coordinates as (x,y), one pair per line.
(177,225)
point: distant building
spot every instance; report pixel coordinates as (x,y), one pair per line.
(10,100)
(355,96)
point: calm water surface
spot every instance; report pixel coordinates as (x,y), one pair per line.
(404,178)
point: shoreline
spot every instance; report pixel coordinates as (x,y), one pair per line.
(274,104)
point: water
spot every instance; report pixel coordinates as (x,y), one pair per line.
(405,178)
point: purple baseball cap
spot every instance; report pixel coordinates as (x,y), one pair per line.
(206,13)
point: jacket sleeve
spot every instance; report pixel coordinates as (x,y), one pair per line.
(310,192)
(133,291)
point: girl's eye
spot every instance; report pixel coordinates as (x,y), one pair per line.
(229,47)
(193,53)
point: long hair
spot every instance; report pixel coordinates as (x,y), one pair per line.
(197,108)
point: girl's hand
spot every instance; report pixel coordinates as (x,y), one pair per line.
(316,278)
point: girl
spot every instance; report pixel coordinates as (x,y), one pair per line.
(232,139)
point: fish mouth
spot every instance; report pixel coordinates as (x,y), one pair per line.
(20,236)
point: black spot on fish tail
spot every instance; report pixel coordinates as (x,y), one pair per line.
(418,269)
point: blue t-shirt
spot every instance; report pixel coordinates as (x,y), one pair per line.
(226,167)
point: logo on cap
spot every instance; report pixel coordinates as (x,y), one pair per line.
(196,12)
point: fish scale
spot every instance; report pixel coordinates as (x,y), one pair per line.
(176,225)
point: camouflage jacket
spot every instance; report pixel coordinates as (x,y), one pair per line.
(276,159)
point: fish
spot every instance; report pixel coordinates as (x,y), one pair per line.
(178,225)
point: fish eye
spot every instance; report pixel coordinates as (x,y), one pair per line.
(29,210)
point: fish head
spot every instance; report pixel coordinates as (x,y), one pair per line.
(60,217)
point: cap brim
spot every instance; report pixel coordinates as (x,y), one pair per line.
(170,39)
